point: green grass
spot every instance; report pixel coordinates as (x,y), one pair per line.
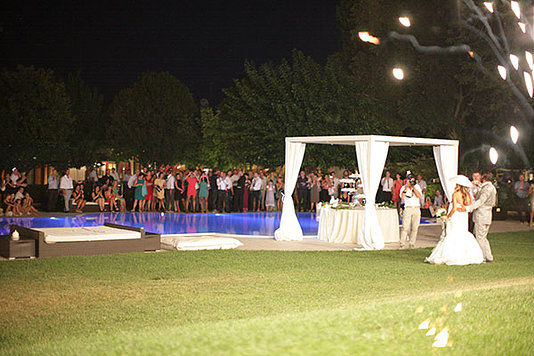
(259,302)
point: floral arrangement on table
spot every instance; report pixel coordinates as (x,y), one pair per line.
(386,204)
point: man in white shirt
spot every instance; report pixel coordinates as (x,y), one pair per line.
(387,186)
(52,191)
(223,182)
(255,189)
(114,175)
(170,184)
(129,193)
(410,194)
(66,186)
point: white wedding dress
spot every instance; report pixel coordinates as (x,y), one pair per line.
(459,246)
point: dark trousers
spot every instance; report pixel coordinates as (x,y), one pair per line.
(228,204)
(213,198)
(238,200)
(386,196)
(471,223)
(52,199)
(169,199)
(302,197)
(522,209)
(128,196)
(256,200)
(221,198)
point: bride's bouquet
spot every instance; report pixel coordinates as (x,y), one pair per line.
(440,212)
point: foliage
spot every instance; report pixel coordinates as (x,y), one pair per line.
(268,302)
(155,120)
(215,146)
(89,128)
(296,98)
(36,119)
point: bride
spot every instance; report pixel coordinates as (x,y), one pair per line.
(459,246)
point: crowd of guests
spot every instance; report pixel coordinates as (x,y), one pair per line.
(15,200)
(207,190)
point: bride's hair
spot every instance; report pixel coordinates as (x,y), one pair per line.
(464,191)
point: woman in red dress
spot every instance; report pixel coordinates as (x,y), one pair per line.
(192,182)
(149,198)
(397,185)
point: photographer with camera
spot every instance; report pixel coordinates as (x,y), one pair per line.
(410,194)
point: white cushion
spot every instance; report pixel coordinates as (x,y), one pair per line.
(88,233)
(192,243)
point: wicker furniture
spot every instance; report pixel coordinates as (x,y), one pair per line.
(16,249)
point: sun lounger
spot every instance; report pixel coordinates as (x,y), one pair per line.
(96,240)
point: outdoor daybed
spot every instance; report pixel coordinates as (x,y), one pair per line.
(92,240)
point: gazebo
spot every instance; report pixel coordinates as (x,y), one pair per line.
(371,153)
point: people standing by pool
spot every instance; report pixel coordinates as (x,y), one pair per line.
(117,196)
(315,190)
(203,193)
(280,193)
(521,189)
(66,187)
(246,192)
(222,188)
(179,196)
(159,189)
(192,181)
(255,189)
(149,198)
(302,191)
(269,196)
(239,190)
(139,197)
(397,185)
(169,191)
(52,191)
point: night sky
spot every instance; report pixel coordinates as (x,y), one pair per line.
(203,43)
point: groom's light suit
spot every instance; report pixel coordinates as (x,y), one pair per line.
(482,206)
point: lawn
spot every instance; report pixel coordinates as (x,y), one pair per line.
(267,302)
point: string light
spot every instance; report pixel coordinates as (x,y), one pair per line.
(515,61)
(514,134)
(516,9)
(366,37)
(528,83)
(493,155)
(405,21)
(502,71)
(530,61)
(489,6)
(398,73)
(522,26)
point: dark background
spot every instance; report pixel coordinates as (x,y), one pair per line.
(203,43)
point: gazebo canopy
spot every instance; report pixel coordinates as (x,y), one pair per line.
(371,153)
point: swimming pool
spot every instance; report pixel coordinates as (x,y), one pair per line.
(260,224)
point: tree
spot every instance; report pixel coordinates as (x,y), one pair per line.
(294,99)
(36,119)
(88,140)
(155,120)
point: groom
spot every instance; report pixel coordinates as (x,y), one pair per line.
(485,200)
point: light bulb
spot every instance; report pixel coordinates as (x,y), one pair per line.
(493,155)
(522,26)
(514,134)
(515,61)
(528,83)
(398,73)
(516,9)
(489,6)
(530,61)
(366,37)
(502,71)
(405,21)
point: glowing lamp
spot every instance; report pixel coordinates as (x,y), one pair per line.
(522,27)
(515,61)
(502,71)
(489,6)
(514,134)
(530,61)
(398,73)
(493,155)
(366,37)
(528,83)
(405,21)
(516,9)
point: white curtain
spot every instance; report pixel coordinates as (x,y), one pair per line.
(289,225)
(446,157)
(371,157)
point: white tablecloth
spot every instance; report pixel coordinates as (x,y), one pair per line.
(344,225)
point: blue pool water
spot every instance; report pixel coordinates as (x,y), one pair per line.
(262,224)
